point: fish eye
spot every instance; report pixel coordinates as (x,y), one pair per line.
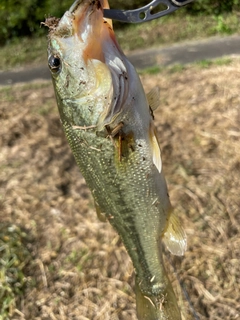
(54,63)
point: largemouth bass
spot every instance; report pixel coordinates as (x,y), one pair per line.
(108,123)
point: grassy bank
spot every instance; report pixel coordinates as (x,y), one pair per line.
(165,31)
(59,262)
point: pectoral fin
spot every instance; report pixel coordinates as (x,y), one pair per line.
(174,237)
(101,216)
(153,98)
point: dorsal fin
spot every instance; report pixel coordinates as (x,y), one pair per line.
(156,152)
(153,98)
(175,237)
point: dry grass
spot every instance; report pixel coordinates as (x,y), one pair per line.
(79,268)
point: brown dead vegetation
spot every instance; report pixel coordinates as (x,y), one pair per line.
(79,267)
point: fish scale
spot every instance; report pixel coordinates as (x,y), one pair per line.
(123,203)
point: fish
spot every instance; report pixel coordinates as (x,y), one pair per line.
(108,121)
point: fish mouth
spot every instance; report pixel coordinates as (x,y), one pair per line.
(84,20)
(85,3)
(87,25)
(86,13)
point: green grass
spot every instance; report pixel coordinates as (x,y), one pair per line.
(174,28)
(206,63)
(202,64)
(7,94)
(151,70)
(24,51)
(13,258)
(157,69)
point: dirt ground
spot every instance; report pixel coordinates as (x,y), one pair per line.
(78,267)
